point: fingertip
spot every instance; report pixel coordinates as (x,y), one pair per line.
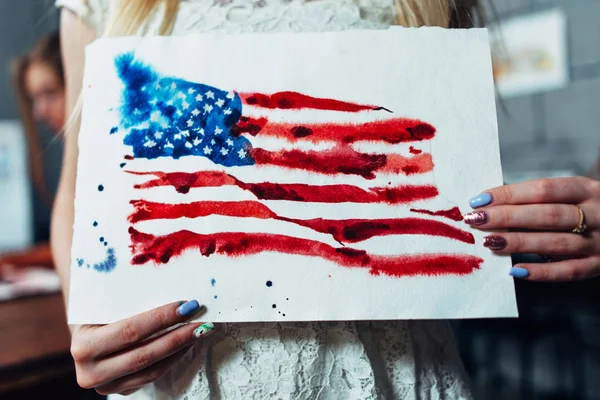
(204,330)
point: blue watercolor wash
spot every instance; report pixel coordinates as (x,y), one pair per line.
(212,282)
(114,130)
(170,117)
(109,263)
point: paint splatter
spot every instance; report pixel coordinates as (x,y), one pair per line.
(122,164)
(114,130)
(453,213)
(269,283)
(101,239)
(212,282)
(274,306)
(215,296)
(107,265)
(100,188)
(80,262)
(95,224)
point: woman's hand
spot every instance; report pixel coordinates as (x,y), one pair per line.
(542,215)
(126,355)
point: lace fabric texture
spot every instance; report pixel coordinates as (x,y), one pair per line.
(318,360)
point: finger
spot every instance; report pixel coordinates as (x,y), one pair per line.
(556,190)
(554,217)
(150,352)
(568,270)
(540,243)
(110,338)
(130,383)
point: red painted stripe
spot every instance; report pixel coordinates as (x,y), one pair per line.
(453,213)
(394,130)
(183,181)
(297,101)
(344,160)
(160,250)
(344,230)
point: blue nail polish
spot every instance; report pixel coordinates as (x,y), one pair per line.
(518,272)
(480,200)
(188,308)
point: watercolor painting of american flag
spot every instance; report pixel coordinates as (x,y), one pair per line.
(275,169)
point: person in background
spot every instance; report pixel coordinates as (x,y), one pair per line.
(40,88)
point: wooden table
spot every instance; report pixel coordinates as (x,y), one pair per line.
(34,341)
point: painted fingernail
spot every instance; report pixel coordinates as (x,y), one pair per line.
(476,218)
(480,200)
(188,308)
(204,330)
(494,242)
(518,272)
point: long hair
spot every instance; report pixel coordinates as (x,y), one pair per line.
(46,51)
(131,15)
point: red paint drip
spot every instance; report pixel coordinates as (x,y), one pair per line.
(414,151)
(393,131)
(297,101)
(148,248)
(183,181)
(344,160)
(344,231)
(453,213)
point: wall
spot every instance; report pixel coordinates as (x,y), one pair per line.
(559,129)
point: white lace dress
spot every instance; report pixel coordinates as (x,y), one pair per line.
(320,360)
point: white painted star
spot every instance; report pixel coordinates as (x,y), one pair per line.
(218,130)
(185,133)
(191,90)
(158,135)
(185,105)
(168,144)
(197,141)
(198,97)
(230,95)
(210,94)
(181,95)
(195,112)
(227,111)
(242,153)
(188,145)
(173,86)
(212,141)
(224,151)
(229,142)
(201,131)
(164,125)
(150,143)
(153,102)
(207,150)
(157,86)
(179,113)
(136,112)
(190,122)
(169,102)
(207,108)
(220,102)
(177,136)
(155,116)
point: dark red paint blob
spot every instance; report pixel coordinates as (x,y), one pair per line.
(128,157)
(148,248)
(394,130)
(414,151)
(343,231)
(297,101)
(183,181)
(453,213)
(344,160)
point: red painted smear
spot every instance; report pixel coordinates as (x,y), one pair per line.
(344,231)
(453,213)
(344,160)
(296,101)
(183,181)
(148,248)
(128,157)
(414,151)
(394,130)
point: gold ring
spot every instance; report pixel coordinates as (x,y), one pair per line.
(581,227)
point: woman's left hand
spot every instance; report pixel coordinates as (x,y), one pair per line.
(542,216)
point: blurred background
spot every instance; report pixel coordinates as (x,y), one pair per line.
(546,57)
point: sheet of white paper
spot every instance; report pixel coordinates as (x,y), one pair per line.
(266,255)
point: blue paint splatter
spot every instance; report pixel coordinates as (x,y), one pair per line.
(216,296)
(171,117)
(100,188)
(105,244)
(122,165)
(114,130)
(101,239)
(80,262)
(95,224)
(212,282)
(109,263)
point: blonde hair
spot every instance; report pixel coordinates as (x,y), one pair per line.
(130,15)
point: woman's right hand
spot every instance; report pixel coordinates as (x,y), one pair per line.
(124,356)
